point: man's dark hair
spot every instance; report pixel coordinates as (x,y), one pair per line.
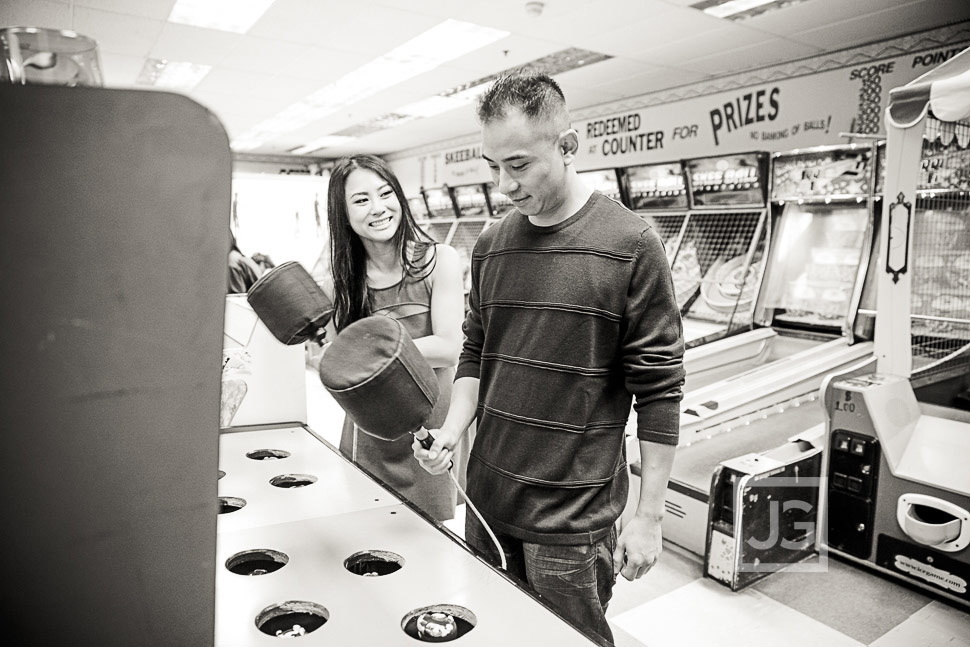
(534,93)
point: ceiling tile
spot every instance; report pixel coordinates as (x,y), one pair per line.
(511,51)
(755,56)
(886,24)
(653,81)
(281,88)
(193,44)
(614,69)
(312,22)
(120,71)
(117,33)
(36,13)
(255,101)
(631,38)
(377,32)
(262,55)
(156,9)
(321,64)
(817,13)
(299,46)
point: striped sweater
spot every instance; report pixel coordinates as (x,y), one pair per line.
(566,325)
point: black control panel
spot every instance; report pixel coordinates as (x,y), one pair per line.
(853,473)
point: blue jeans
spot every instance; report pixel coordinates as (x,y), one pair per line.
(577,580)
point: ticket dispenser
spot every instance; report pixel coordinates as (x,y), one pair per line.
(898,491)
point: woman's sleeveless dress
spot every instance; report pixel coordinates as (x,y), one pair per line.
(393,462)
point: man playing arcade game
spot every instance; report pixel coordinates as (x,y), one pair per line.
(571,315)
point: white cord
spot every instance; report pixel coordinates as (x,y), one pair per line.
(501,553)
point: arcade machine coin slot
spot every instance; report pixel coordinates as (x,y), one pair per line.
(915,525)
(853,472)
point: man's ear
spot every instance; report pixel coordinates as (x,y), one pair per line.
(569,145)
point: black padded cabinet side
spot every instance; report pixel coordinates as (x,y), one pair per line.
(114,221)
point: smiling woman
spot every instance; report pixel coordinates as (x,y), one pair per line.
(382,263)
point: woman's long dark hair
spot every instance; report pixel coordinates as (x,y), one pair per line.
(348,259)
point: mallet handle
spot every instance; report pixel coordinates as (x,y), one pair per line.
(427,440)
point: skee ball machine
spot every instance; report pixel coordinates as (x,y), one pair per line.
(438,217)
(898,494)
(471,215)
(767,417)
(658,194)
(824,195)
(719,256)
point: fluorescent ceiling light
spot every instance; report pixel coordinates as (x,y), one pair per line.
(440,44)
(736,9)
(552,64)
(226,15)
(322,142)
(171,75)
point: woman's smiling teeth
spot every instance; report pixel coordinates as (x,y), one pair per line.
(380,224)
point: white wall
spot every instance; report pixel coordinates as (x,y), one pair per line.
(275,215)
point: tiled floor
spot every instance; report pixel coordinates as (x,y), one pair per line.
(675,606)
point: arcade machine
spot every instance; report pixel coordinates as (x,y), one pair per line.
(605,181)
(308,545)
(471,201)
(497,201)
(719,255)
(658,194)
(419,209)
(459,223)
(897,445)
(439,214)
(768,414)
(474,217)
(824,193)
(114,239)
